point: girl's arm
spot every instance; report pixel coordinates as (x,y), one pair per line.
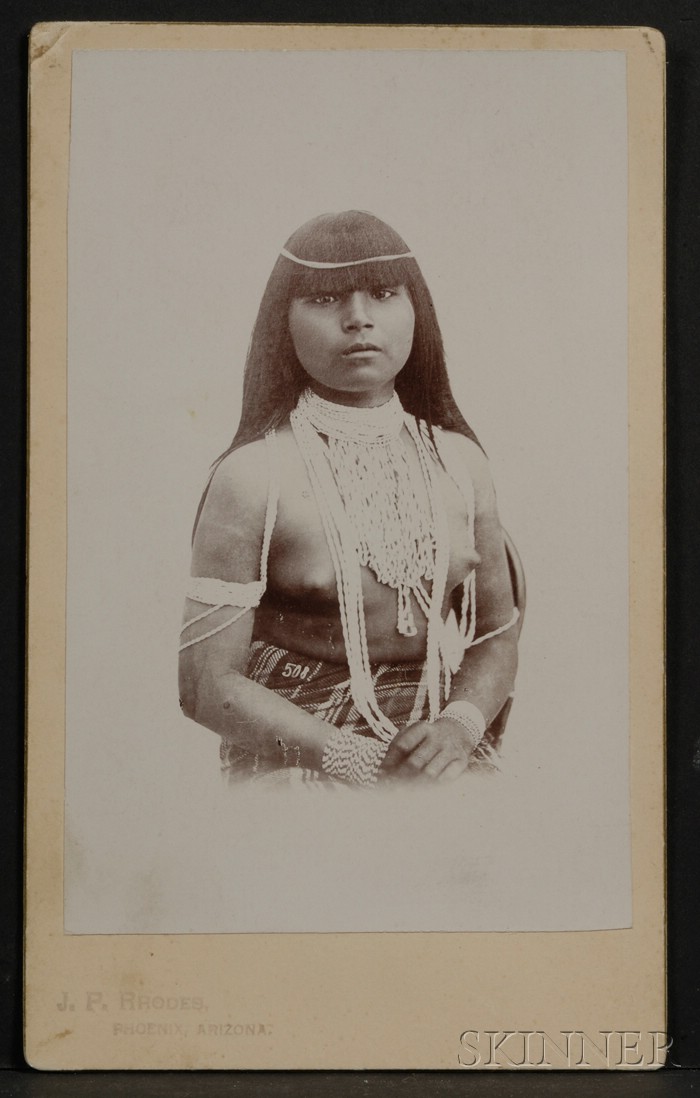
(487,673)
(214,690)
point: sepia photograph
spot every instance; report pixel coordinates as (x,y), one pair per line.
(350,520)
(329,336)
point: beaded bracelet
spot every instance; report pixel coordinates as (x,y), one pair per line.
(353,758)
(469,716)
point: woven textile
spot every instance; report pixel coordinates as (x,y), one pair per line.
(323,688)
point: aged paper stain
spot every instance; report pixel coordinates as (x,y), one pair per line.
(44,37)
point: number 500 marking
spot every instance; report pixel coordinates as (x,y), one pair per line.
(295,671)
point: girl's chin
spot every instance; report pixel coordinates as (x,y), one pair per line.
(360,377)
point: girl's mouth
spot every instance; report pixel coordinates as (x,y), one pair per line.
(361,349)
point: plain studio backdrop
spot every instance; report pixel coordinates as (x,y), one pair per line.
(506,174)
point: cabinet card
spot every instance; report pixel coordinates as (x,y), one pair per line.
(512,917)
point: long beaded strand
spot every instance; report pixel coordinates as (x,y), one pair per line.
(343,541)
(341,544)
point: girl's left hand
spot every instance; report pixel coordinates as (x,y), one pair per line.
(439,752)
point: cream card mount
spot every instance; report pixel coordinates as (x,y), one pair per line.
(175,923)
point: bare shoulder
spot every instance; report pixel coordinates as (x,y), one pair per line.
(230,528)
(242,476)
(468,457)
(239,484)
(494,580)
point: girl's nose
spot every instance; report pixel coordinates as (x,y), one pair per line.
(357,313)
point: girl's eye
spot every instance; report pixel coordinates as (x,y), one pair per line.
(383,293)
(324,299)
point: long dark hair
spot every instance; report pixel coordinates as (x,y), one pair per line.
(274,378)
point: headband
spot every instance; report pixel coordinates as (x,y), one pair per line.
(347,263)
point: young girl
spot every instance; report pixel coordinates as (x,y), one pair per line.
(350,613)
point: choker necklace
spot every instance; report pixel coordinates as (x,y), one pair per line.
(342,421)
(375,514)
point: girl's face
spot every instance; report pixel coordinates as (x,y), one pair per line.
(353,345)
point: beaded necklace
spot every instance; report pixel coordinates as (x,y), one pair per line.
(372,516)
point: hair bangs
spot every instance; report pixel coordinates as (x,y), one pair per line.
(377,275)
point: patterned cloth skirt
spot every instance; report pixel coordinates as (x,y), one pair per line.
(323,689)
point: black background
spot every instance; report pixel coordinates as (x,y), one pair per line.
(679,21)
